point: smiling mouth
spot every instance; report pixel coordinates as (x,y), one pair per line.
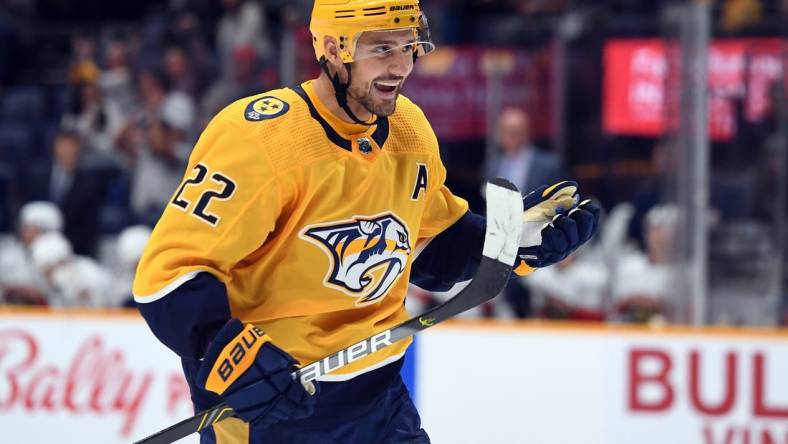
(386,87)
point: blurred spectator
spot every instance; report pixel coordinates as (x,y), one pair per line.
(520,161)
(571,289)
(243,24)
(83,67)
(116,80)
(732,188)
(36,218)
(650,190)
(187,33)
(643,283)
(528,168)
(152,87)
(128,251)
(74,281)
(180,75)
(96,120)
(134,137)
(76,188)
(244,82)
(20,282)
(160,157)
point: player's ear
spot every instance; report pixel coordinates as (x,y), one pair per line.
(331,50)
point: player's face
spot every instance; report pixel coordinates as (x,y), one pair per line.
(383,61)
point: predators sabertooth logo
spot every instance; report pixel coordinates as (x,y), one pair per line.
(367,254)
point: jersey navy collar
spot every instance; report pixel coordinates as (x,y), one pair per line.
(380,135)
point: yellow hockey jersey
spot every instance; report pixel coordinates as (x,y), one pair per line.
(311,223)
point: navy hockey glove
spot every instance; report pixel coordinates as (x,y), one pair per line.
(554,225)
(253,376)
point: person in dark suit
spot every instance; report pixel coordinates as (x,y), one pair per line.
(528,167)
(519,160)
(76,189)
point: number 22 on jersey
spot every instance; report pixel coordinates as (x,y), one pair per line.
(225,187)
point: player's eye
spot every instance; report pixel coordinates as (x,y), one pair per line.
(381,49)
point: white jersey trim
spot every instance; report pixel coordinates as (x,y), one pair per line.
(349,376)
(166,290)
(420,248)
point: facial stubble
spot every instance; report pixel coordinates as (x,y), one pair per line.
(366,100)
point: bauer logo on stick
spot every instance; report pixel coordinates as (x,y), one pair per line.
(367,254)
(346,356)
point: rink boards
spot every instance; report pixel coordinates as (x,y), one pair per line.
(542,384)
(76,377)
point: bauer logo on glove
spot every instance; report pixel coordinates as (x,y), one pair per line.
(253,376)
(240,353)
(555,223)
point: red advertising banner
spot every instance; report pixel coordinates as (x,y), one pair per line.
(604,384)
(86,378)
(741,71)
(634,87)
(452,85)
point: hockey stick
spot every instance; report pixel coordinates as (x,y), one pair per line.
(501,240)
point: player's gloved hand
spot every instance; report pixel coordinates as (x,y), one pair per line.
(253,376)
(555,223)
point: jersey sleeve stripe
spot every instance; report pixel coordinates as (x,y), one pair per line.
(421,245)
(172,286)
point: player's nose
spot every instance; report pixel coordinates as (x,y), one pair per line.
(402,65)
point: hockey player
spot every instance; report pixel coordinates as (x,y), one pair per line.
(304,213)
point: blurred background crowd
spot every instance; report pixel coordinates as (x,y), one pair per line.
(101,102)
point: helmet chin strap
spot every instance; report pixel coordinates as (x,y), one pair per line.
(340,90)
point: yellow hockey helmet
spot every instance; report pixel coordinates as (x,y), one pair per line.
(346,20)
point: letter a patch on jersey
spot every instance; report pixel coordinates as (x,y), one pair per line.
(367,254)
(421,181)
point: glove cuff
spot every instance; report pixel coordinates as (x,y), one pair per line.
(233,351)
